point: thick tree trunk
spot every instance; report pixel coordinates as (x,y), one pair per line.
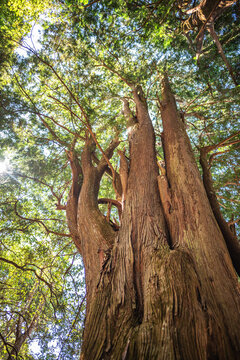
(193,228)
(166,288)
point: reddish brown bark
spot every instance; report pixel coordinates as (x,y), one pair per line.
(194,229)
(95,232)
(72,203)
(203,17)
(163,286)
(230,238)
(207,11)
(126,287)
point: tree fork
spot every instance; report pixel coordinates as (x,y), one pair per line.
(152,302)
(125,291)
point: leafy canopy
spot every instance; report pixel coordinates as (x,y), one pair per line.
(91,53)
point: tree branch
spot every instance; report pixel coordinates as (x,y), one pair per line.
(39,181)
(23,268)
(222,152)
(52,132)
(40,222)
(102,165)
(113,202)
(221,143)
(214,36)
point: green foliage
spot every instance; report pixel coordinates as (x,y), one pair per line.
(89,55)
(16,20)
(38,259)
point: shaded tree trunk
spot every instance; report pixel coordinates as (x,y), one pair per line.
(163,286)
(214,36)
(230,238)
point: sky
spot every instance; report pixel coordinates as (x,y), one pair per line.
(31,40)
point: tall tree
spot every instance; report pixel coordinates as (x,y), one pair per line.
(160,282)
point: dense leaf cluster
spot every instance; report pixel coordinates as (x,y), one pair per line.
(90,54)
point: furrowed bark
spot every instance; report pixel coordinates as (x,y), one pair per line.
(123,172)
(194,230)
(152,302)
(123,312)
(72,202)
(108,171)
(95,232)
(230,238)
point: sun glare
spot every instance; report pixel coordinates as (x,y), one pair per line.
(3,166)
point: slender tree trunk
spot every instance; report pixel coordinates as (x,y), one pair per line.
(214,36)
(166,287)
(231,240)
(22,336)
(72,203)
